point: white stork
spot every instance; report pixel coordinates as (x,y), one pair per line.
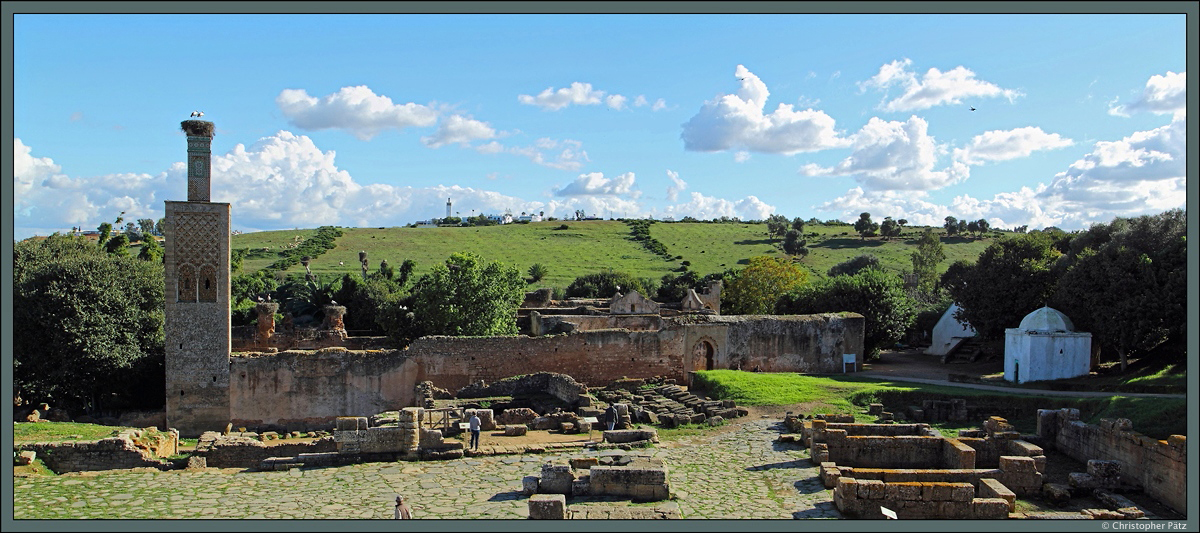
(197,113)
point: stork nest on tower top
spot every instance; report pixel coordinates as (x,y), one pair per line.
(198,128)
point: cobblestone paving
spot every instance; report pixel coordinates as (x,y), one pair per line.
(739,474)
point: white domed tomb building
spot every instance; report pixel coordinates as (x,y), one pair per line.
(1046,346)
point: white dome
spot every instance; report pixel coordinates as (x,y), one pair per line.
(1046,320)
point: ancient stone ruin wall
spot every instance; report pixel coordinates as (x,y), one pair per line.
(796,343)
(299,390)
(862,498)
(235,451)
(891,452)
(310,389)
(1159,466)
(594,358)
(542,324)
(130,449)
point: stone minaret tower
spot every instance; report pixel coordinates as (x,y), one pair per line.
(196,268)
(447,208)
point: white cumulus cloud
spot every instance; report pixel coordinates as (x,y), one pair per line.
(892,155)
(677,185)
(1001,145)
(1162,95)
(933,89)
(550,99)
(1141,174)
(595,184)
(738,122)
(708,207)
(45,200)
(356,110)
(458,129)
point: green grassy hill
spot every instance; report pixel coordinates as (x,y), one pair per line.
(590,246)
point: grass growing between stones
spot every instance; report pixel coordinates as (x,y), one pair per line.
(61,431)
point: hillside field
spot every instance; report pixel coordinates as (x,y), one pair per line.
(590,246)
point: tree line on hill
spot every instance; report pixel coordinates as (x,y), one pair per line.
(89,319)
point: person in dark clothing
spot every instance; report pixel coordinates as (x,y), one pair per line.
(610,416)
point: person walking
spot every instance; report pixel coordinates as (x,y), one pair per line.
(402,510)
(610,416)
(474,425)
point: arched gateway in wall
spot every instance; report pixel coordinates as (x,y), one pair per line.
(703,355)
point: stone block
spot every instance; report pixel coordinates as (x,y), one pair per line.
(1056,493)
(1015,464)
(515,431)
(869,489)
(908,490)
(529,485)
(351,423)
(547,507)
(941,491)
(414,415)
(25,457)
(875,409)
(556,479)
(1104,469)
(990,488)
(581,486)
(989,508)
(584,463)
(196,462)
(630,435)
(962,492)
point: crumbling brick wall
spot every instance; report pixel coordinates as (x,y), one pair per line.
(1159,466)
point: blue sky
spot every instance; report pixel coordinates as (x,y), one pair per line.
(374,120)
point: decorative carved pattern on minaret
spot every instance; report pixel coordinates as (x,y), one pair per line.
(196,252)
(199,168)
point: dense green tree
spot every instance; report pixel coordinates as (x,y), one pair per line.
(973,226)
(777,225)
(794,243)
(925,260)
(1125,282)
(984,226)
(864,226)
(753,290)
(674,288)
(468,296)
(151,250)
(889,228)
(877,295)
(89,329)
(118,246)
(951,226)
(798,224)
(854,265)
(606,284)
(1012,278)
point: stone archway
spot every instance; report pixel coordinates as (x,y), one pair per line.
(703,355)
